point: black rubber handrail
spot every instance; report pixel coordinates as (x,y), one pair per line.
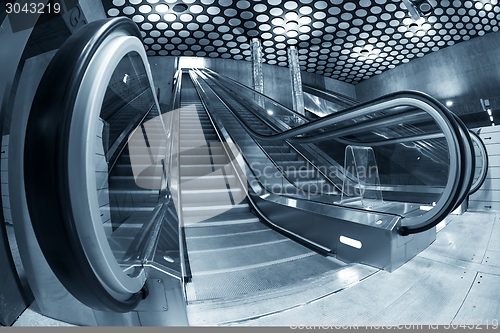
(482,177)
(323,122)
(46,171)
(334,98)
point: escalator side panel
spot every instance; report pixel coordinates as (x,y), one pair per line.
(46,169)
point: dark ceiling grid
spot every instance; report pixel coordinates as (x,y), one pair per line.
(343,39)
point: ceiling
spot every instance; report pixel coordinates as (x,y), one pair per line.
(348,40)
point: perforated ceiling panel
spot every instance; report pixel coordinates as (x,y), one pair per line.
(346,40)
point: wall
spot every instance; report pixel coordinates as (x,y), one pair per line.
(163,70)
(276,79)
(92,9)
(487,198)
(463,73)
(277,82)
(13,298)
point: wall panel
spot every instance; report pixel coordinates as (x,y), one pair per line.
(487,198)
(463,73)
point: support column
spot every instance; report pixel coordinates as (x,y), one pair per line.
(296,80)
(257,76)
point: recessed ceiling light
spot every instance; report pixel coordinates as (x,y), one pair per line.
(161,8)
(449,103)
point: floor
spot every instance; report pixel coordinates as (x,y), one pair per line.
(31,316)
(454,281)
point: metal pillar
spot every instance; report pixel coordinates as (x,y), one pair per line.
(257,76)
(296,80)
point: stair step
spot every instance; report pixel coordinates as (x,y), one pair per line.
(202,150)
(230,219)
(200,169)
(204,158)
(132,209)
(213,196)
(208,181)
(203,212)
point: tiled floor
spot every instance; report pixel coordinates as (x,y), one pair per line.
(455,280)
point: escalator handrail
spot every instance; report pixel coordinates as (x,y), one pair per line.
(176,103)
(295,133)
(474,186)
(261,95)
(307,160)
(241,164)
(334,98)
(47,170)
(396,117)
(118,145)
(346,130)
(468,161)
(484,170)
(465,181)
(201,90)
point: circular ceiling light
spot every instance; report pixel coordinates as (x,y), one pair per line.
(292,25)
(161,8)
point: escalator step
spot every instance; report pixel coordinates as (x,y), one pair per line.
(213,181)
(226,230)
(200,169)
(226,219)
(203,158)
(247,239)
(213,196)
(202,213)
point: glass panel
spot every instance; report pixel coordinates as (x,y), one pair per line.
(361,184)
(320,107)
(133,150)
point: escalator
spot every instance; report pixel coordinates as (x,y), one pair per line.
(169,216)
(410,164)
